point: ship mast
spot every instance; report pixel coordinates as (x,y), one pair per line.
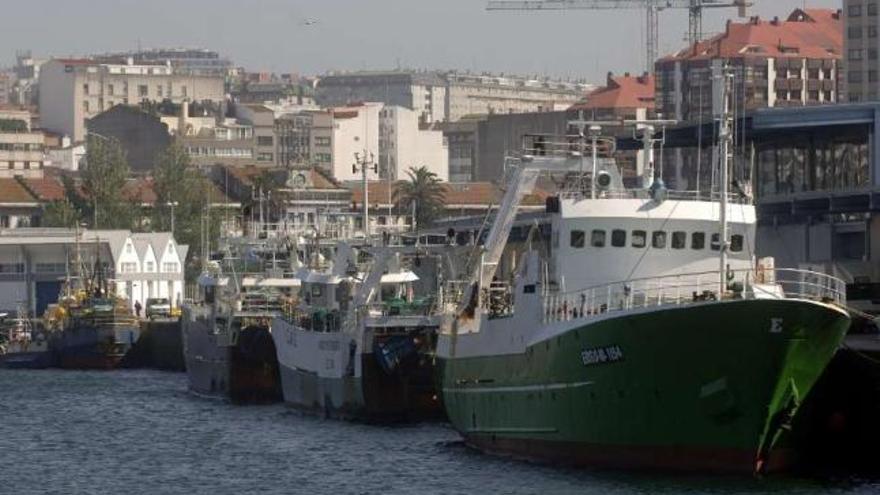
(724,140)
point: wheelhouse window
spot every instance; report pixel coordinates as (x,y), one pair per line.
(618,238)
(679,240)
(597,238)
(639,238)
(716,242)
(578,239)
(658,239)
(736,243)
(698,241)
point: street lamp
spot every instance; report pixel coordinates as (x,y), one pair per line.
(172,204)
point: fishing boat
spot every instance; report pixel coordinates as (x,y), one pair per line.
(228,347)
(94,327)
(637,328)
(360,343)
(22,344)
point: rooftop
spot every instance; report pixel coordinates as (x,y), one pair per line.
(621,92)
(807,33)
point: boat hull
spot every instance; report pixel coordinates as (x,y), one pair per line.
(707,387)
(35,360)
(95,347)
(246,372)
(325,374)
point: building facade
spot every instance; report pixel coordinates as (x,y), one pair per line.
(22,154)
(485,94)
(776,63)
(34,262)
(405,143)
(861,45)
(423,92)
(449,96)
(143,136)
(74,90)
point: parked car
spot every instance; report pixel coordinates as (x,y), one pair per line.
(158,307)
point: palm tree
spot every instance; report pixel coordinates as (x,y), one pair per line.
(425,191)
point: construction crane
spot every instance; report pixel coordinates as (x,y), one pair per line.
(652,8)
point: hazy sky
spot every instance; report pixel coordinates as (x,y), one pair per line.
(355,34)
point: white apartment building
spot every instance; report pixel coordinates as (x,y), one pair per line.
(73,90)
(352,130)
(404,143)
(485,94)
(35,261)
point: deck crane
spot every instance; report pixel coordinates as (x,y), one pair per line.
(652,8)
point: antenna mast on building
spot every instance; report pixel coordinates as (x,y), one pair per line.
(363,164)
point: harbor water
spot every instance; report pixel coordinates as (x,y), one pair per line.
(139,432)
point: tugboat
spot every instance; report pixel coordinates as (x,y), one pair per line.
(227,340)
(360,345)
(22,346)
(642,332)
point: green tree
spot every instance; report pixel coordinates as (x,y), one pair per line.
(104,172)
(182,191)
(425,191)
(61,213)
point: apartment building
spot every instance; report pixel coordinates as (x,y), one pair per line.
(861,43)
(22,153)
(424,92)
(73,90)
(473,94)
(449,96)
(406,143)
(777,63)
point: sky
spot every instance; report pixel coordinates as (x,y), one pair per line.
(315,36)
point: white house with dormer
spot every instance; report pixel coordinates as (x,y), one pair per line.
(150,265)
(35,261)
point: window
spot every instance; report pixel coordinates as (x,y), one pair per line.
(872,31)
(639,238)
(855,54)
(86,106)
(265,157)
(597,239)
(11,267)
(109,89)
(736,243)
(716,242)
(679,240)
(142,90)
(854,32)
(618,238)
(265,141)
(855,10)
(170,267)
(183,91)
(872,53)
(322,141)
(129,249)
(698,241)
(150,266)
(86,88)
(159,90)
(872,9)
(128,267)
(578,239)
(855,76)
(658,239)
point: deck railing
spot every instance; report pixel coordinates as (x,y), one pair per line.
(678,290)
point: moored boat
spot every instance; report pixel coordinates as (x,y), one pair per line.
(360,345)
(641,332)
